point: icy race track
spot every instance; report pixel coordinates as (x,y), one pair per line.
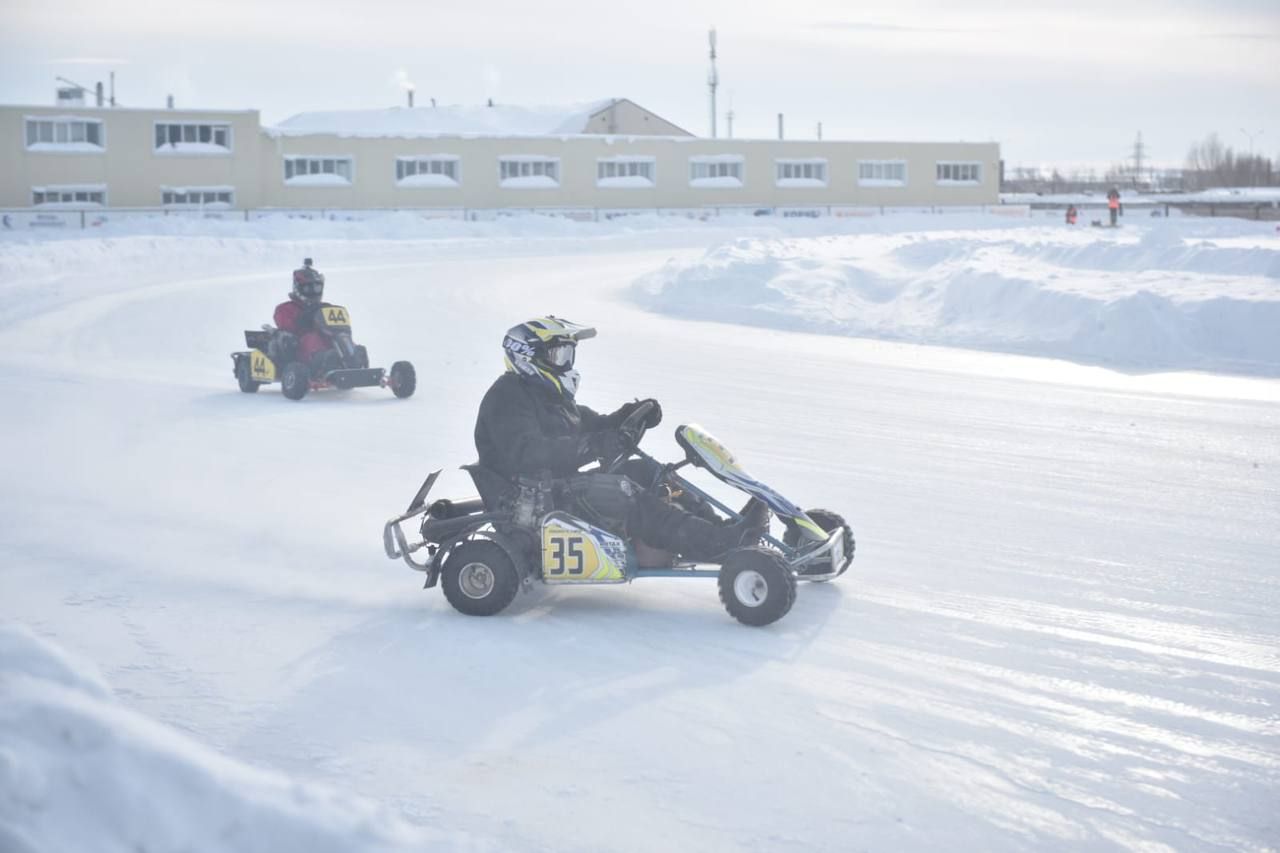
(1061,630)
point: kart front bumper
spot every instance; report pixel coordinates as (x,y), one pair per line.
(355,378)
(825,560)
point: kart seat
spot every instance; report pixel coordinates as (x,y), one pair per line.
(492,486)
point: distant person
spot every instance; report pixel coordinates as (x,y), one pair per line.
(1113,204)
(1072,213)
(296,335)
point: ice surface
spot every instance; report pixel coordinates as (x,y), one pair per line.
(1060,630)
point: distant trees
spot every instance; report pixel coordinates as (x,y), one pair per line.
(1211,163)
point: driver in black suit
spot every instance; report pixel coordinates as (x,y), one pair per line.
(531,426)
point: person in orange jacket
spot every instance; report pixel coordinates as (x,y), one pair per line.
(1113,204)
(1072,213)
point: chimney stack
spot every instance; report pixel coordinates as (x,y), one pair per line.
(410,98)
(97,91)
(779,125)
(168,102)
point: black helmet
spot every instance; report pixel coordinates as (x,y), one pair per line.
(543,350)
(308,283)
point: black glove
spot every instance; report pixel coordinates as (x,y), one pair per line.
(651,420)
(608,444)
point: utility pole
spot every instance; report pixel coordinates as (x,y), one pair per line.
(1139,154)
(1251,136)
(713,79)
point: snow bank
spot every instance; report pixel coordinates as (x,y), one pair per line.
(1163,300)
(80,772)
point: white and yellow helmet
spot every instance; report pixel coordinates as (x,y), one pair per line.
(543,349)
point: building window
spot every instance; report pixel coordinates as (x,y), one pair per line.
(200,197)
(626,172)
(716,171)
(183,137)
(951,172)
(882,173)
(811,172)
(65,133)
(528,172)
(69,196)
(437,170)
(318,171)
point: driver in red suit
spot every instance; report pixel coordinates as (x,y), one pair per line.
(297,337)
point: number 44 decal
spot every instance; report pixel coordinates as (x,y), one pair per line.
(566,557)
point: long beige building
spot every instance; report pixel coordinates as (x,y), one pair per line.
(608,155)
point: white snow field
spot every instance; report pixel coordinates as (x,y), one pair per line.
(1061,631)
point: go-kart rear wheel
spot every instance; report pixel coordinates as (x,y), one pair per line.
(756,586)
(828,521)
(295,381)
(402,379)
(247,385)
(479,578)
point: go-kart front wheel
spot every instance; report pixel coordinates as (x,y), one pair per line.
(479,578)
(756,586)
(828,521)
(295,381)
(247,384)
(402,379)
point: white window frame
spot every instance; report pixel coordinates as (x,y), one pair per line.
(73,190)
(800,172)
(168,198)
(67,127)
(410,166)
(627,172)
(712,171)
(880,170)
(186,128)
(513,169)
(322,159)
(952,169)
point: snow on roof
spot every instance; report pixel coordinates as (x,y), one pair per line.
(497,120)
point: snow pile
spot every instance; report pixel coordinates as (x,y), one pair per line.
(1166,299)
(453,120)
(80,772)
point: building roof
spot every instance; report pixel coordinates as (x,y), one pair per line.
(457,120)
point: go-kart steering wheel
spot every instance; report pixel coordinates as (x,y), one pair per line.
(632,425)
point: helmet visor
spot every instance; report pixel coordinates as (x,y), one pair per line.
(311,289)
(561,355)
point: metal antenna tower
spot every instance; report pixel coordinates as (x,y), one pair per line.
(713,79)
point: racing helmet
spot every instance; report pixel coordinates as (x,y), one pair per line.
(543,350)
(308,284)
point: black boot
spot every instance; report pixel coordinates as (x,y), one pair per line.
(669,527)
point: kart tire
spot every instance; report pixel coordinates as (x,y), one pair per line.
(247,385)
(402,379)
(295,381)
(756,586)
(479,578)
(828,521)
(361,357)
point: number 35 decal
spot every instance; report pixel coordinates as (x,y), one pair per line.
(566,556)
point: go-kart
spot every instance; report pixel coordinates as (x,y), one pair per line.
(343,365)
(482,550)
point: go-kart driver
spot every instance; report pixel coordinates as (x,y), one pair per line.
(297,337)
(530,425)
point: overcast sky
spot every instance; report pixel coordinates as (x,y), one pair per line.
(1063,82)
